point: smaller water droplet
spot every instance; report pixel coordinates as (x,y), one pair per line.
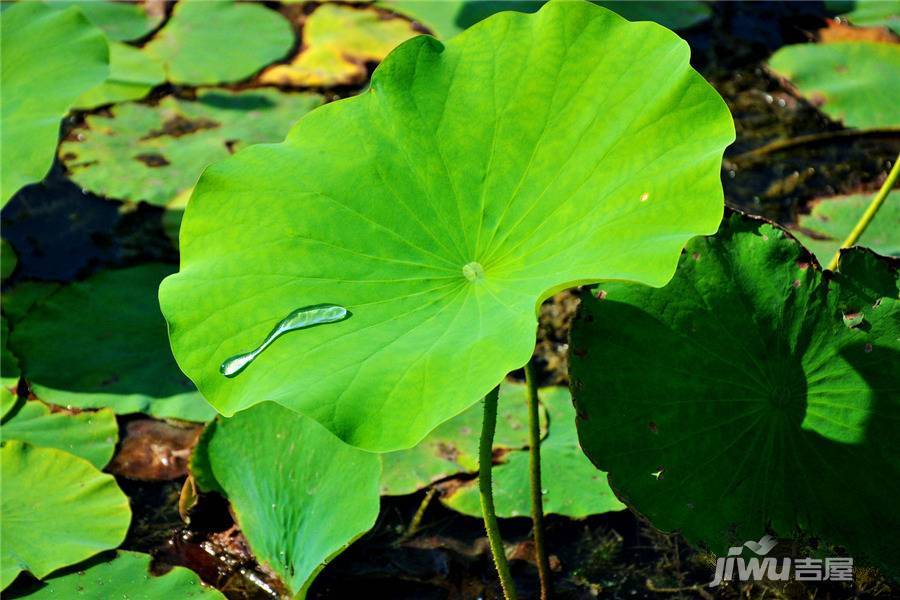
(544,491)
(645,196)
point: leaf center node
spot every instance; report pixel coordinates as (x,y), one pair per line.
(473,271)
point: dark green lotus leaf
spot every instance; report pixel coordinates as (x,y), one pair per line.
(56,509)
(852,82)
(571,485)
(875,13)
(102,343)
(452,448)
(132,74)
(473,180)
(206,43)
(124,575)
(156,153)
(752,394)
(8,259)
(50,57)
(90,435)
(830,220)
(300,497)
(121,21)
(447,18)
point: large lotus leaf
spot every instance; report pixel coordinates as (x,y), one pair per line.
(853,82)
(300,497)
(447,18)
(830,220)
(441,216)
(90,435)
(102,343)
(452,448)
(56,509)
(156,153)
(338,41)
(752,394)
(50,57)
(132,74)
(875,13)
(121,21)
(570,484)
(126,575)
(206,43)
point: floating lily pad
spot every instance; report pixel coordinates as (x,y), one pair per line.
(102,343)
(338,41)
(126,575)
(50,57)
(57,509)
(206,43)
(300,497)
(156,153)
(849,81)
(452,448)
(753,394)
(875,13)
(121,21)
(830,220)
(571,485)
(447,18)
(442,239)
(90,435)
(132,74)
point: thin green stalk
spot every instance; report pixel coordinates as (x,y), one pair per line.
(485,485)
(537,497)
(420,513)
(870,213)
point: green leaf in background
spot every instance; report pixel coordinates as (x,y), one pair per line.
(338,41)
(56,509)
(9,364)
(156,153)
(447,18)
(849,81)
(8,259)
(125,575)
(132,74)
(8,401)
(206,43)
(102,343)
(830,220)
(595,138)
(875,13)
(50,57)
(300,497)
(90,435)
(571,485)
(452,448)
(121,21)
(753,394)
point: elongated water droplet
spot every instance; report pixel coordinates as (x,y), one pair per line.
(302,318)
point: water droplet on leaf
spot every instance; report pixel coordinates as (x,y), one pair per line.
(301,318)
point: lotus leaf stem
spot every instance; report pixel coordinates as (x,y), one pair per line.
(485,485)
(537,500)
(870,213)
